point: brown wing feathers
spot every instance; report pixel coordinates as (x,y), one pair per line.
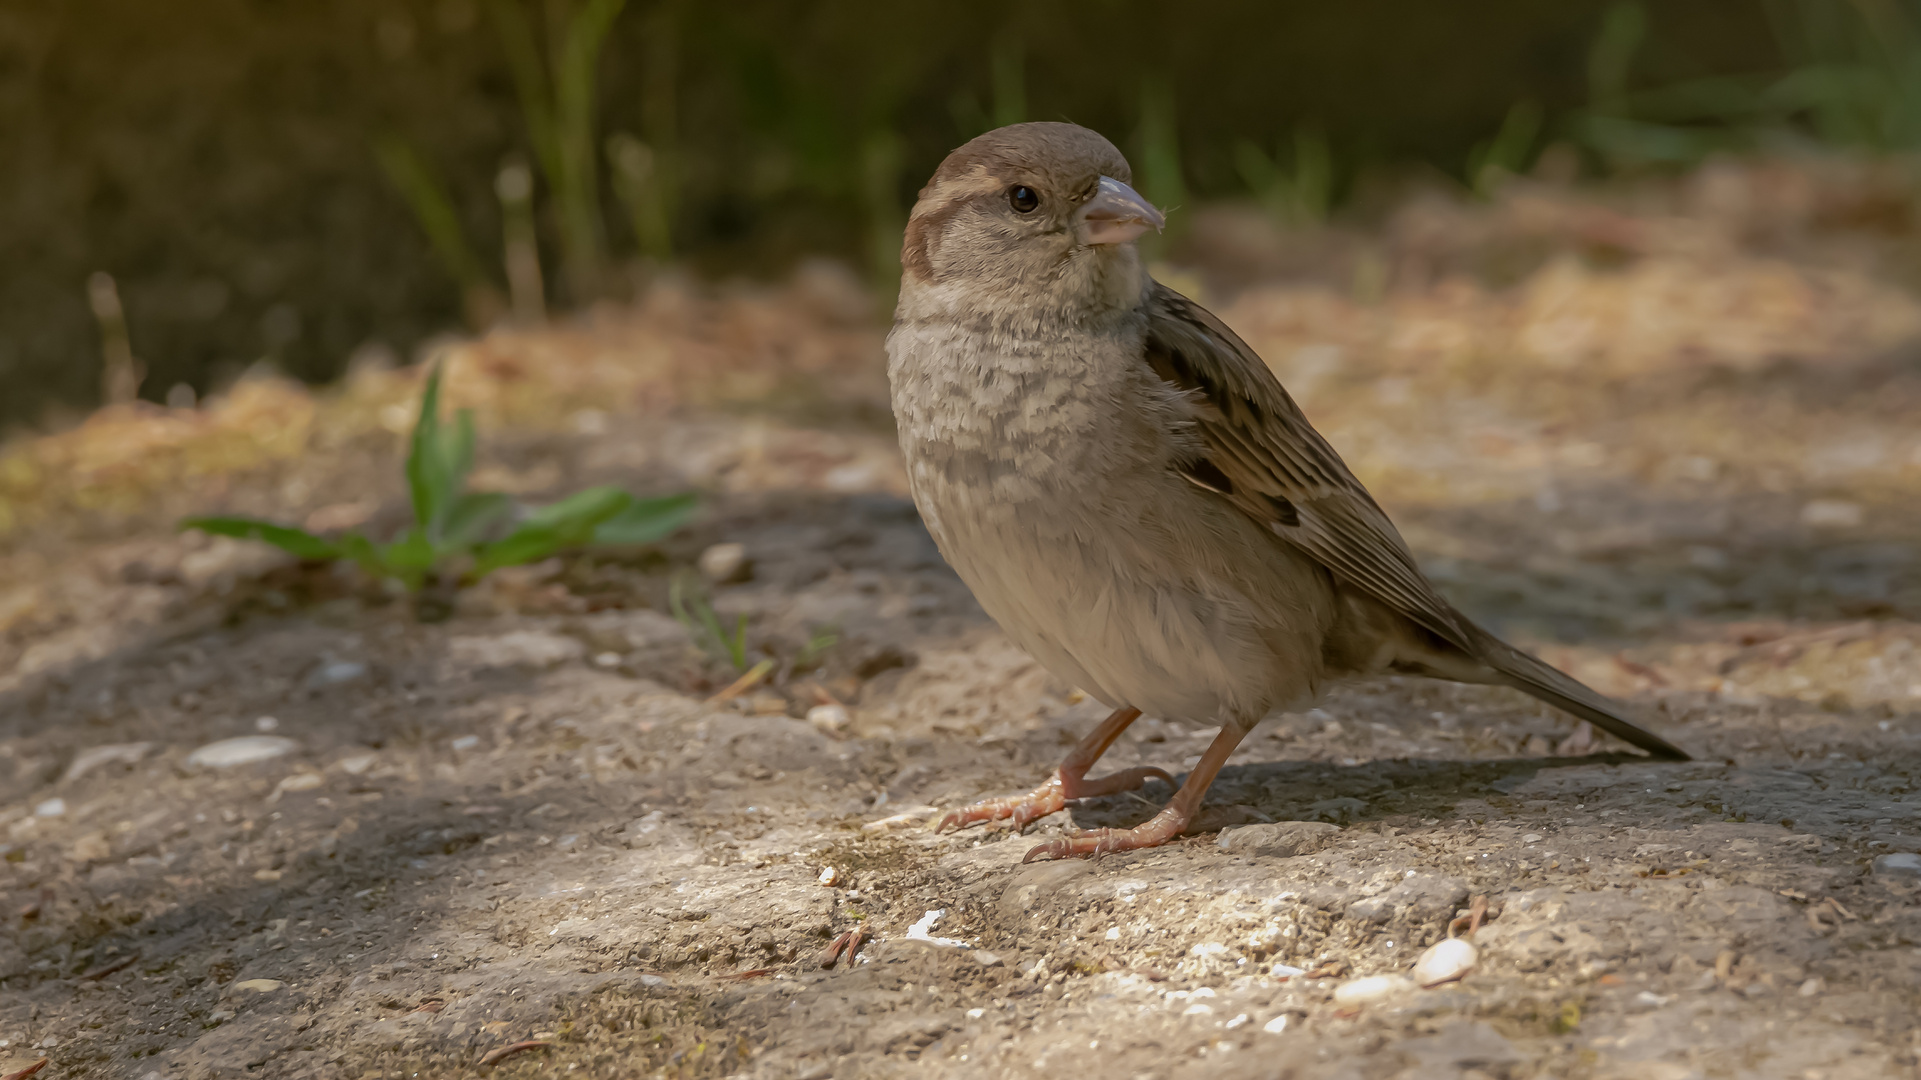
(1269,461)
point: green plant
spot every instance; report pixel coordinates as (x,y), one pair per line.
(557,102)
(1161,177)
(691,608)
(1299,192)
(1510,151)
(451,529)
(433,209)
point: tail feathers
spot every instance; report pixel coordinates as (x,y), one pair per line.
(1537,679)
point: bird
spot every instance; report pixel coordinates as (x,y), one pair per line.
(1131,494)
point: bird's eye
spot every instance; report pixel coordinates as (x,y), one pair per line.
(1023,198)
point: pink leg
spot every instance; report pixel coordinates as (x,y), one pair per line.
(1068,782)
(1160,828)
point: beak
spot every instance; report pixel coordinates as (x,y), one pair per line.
(1117,214)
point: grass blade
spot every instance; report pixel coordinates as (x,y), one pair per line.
(470,514)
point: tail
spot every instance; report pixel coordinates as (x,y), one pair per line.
(1535,678)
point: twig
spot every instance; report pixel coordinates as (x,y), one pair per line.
(22,1074)
(107,969)
(499,1052)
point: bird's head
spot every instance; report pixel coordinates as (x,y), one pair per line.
(1026,220)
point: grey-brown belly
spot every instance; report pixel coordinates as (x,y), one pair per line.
(1110,594)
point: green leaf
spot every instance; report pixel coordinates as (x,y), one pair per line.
(299,542)
(470,514)
(529,543)
(423,453)
(581,511)
(644,521)
(438,459)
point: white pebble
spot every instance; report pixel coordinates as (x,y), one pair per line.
(244,750)
(259,986)
(1371,989)
(723,562)
(829,875)
(829,719)
(1899,864)
(266,723)
(1276,1025)
(1532,838)
(1445,961)
(51,808)
(1285,971)
(465,742)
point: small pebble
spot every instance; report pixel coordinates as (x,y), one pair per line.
(829,875)
(340,671)
(722,563)
(357,764)
(829,719)
(1445,961)
(1285,971)
(1900,864)
(465,742)
(1532,838)
(267,723)
(51,808)
(244,750)
(985,958)
(114,753)
(259,986)
(1276,1025)
(1371,989)
(1812,987)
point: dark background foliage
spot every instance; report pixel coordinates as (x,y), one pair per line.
(217,157)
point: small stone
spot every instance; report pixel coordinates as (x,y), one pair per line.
(336,674)
(51,808)
(1445,961)
(267,723)
(1285,971)
(1532,838)
(358,764)
(1900,864)
(1282,839)
(985,958)
(1832,514)
(300,781)
(1812,987)
(266,875)
(259,986)
(723,563)
(111,754)
(517,648)
(1373,988)
(245,750)
(829,719)
(1276,1026)
(465,743)
(828,876)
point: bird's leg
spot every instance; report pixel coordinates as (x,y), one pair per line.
(1068,782)
(1162,827)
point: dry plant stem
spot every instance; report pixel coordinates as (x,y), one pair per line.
(743,684)
(499,1052)
(1068,782)
(1160,828)
(1467,924)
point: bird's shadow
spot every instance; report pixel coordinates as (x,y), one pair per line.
(1381,790)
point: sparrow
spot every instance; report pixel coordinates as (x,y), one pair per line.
(1131,494)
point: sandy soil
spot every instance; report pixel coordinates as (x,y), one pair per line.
(532,821)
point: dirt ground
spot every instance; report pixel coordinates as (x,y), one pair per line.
(532,821)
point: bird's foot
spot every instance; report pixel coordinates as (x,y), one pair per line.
(1153,832)
(1049,798)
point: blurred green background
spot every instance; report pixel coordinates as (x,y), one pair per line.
(291,182)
